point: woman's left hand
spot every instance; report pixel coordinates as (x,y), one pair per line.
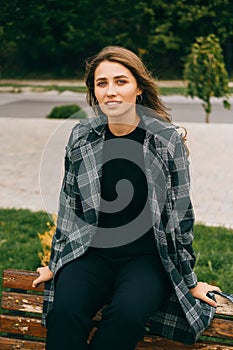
(201,290)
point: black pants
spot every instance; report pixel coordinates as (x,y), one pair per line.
(134,286)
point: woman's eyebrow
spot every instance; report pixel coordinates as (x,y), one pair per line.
(120,76)
(116,77)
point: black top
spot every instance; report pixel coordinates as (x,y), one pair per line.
(124,193)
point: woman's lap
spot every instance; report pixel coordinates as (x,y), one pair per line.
(132,287)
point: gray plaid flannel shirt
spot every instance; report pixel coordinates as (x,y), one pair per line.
(182,317)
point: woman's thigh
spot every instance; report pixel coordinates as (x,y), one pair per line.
(141,285)
(84,285)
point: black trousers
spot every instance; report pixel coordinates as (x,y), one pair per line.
(134,286)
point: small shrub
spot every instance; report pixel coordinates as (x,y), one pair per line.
(67,111)
(46,242)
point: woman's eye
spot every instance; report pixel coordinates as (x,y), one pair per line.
(121,82)
(101,83)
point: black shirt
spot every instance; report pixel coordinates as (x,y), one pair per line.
(124,195)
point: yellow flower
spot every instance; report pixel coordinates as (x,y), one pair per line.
(46,242)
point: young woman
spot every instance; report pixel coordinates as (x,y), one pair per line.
(125,223)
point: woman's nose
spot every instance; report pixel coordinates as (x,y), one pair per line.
(111,90)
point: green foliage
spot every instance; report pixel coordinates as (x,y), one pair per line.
(8,51)
(19,240)
(67,111)
(55,37)
(20,244)
(214,251)
(206,73)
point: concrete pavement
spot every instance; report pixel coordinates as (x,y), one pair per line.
(37,105)
(31,158)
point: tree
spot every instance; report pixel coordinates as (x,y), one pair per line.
(206,73)
(54,38)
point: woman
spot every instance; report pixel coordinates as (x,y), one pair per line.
(125,224)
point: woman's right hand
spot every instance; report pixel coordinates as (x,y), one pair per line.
(45,274)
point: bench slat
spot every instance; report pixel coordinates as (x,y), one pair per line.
(22,302)
(220,328)
(13,344)
(159,343)
(156,343)
(30,326)
(20,279)
(225,307)
(22,325)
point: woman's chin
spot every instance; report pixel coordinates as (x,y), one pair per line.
(118,110)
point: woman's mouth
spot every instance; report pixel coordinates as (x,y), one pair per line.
(112,103)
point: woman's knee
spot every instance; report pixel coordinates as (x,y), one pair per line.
(126,317)
(67,313)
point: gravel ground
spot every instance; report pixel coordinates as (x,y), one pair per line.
(32,151)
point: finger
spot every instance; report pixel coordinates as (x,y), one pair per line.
(36,282)
(209,301)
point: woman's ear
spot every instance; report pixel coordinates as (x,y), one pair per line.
(139,91)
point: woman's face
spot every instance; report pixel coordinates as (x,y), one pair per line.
(115,88)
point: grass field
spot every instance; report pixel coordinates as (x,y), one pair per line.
(20,245)
(18,87)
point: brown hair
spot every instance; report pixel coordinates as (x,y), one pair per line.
(132,62)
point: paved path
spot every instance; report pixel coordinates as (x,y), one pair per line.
(38,105)
(31,158)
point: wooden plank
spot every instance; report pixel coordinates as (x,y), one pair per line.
(22,302)
(220,328)
(225,306)
(156,343)
(18,344)
(20,279)
(159,343)
(22,325)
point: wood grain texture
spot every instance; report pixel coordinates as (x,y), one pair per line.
(20,298)
(220,328)
(22,325)
(159,343)
(22,302)
(21,279)
(18,344)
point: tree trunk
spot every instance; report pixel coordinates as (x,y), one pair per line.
(207,117)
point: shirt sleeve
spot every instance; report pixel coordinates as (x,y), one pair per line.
(183,214)
(69,208)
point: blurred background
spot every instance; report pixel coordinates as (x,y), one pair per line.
(53,38)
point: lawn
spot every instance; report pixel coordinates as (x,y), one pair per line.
(17,87)
(20,245)
(19,242)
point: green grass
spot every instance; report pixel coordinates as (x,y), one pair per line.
(19,242)
(82,89)
(18,87)
(20,245)
(178,90)
(214,251)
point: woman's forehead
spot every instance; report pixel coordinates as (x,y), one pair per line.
(111,69)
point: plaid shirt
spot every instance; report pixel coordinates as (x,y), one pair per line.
(183,318)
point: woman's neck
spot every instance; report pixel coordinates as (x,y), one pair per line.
(120,127)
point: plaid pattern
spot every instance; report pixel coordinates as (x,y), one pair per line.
(183,317)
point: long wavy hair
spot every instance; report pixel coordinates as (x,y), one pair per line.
(131,61)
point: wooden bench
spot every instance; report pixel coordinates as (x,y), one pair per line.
(21,325)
